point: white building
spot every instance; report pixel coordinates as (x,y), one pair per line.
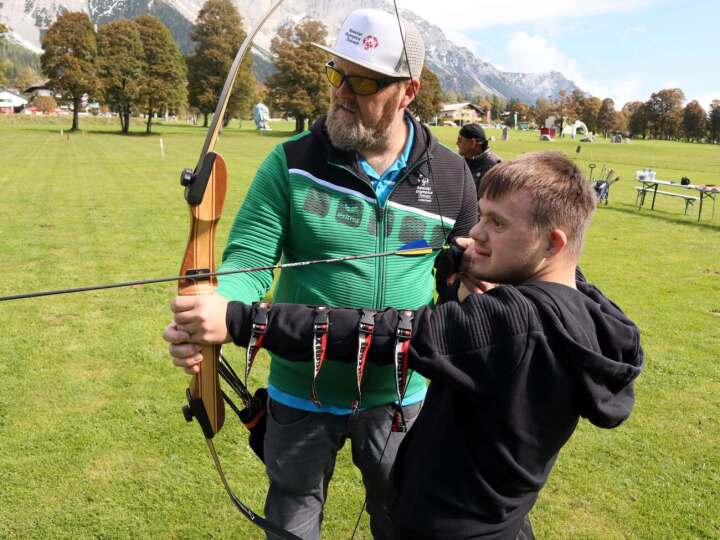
(460,114)
(11,102)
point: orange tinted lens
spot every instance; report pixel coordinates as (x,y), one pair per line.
(334,76)
(363,86)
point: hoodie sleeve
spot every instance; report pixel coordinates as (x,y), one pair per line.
(475,345)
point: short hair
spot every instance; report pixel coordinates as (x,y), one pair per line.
(561,197)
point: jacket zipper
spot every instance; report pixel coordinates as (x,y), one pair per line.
(381,212)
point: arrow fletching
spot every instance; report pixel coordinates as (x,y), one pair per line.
(415,248)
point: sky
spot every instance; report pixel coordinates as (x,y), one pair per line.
(622,49)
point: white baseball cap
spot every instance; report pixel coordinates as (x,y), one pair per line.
(371,38)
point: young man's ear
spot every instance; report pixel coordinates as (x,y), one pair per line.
(556,242)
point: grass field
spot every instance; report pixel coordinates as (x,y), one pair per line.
(93,442)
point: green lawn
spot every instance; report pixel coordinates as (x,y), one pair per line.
(93,442)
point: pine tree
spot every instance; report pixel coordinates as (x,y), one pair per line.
(164,72)
(120,66)
(219,34)
(68,60)
(428,102)
(299,88)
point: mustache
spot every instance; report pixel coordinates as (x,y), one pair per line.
(346,104)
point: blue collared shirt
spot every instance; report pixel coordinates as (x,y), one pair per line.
(383,183)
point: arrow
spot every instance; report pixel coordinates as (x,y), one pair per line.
(415,248)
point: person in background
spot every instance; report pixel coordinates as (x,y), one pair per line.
(474,146)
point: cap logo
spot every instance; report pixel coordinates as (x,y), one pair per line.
(353,36)
(370,42)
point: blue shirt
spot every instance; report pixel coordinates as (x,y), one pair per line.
(382,184)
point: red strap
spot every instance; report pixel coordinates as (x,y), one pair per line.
(365,335)
(403,333)
(257,336)
(320,334)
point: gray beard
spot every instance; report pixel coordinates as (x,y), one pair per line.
(355,136)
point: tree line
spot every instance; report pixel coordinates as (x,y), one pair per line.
(135,67)
(663,116)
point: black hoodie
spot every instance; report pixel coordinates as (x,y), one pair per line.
(511,372)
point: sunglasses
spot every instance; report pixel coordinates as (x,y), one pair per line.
(361,86)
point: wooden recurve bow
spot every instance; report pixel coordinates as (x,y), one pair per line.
(205,189)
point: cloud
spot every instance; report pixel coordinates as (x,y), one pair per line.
(535,53)
(673,83)
(460,15)
(634,32)
(706,99)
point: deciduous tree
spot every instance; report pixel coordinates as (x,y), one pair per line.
(714,121)
(120,66)
(523,112)
(44,104)
(695,121)
(543,109)
(485,105)
(163,69)
(69,57)
(497,105)
(589,112)
(299,88)
(664,110)
(620,122)
(606,116)
(636,112)
(428,102)
(218,33)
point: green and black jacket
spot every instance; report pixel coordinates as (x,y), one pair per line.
(310,201)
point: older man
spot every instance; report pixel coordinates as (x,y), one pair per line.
(366,178)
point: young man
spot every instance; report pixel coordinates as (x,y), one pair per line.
(364,179)
(511,370)
(474,146)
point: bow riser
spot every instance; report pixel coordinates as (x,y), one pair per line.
(209,186)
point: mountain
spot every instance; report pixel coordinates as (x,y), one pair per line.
(457,67)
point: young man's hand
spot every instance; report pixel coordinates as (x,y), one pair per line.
(469,284)
(199,320)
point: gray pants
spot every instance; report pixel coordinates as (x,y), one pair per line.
(300,452)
